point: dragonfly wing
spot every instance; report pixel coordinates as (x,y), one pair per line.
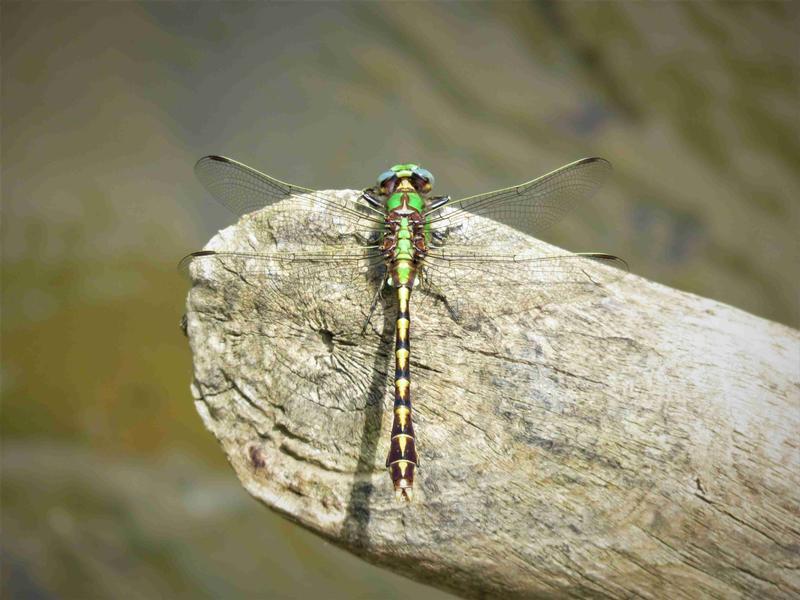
(252,291)
(242,190)
(475,286)
(533,206)
(288,327)
(292,258)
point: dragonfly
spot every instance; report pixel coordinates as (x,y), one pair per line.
(397,237)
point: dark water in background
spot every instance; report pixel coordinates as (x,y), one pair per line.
(109,481)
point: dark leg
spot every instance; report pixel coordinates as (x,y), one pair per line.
(429,288)
(436,202)
(372,307)
(438,237)
(369,196)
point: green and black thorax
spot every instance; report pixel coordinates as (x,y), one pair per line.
(402,193)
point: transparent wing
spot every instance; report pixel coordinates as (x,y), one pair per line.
(475,286)
(243,190)
(334,291)
(533,206)
(295,321)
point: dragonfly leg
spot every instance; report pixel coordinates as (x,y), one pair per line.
(370,240)
(436,202)
(438,238)
(431,289)
(372,307)
(367,195)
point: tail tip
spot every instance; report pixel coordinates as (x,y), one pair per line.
(403,492)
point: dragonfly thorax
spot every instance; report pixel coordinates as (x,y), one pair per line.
(404,245)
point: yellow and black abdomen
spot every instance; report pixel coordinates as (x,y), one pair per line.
(402,459)
(405,246)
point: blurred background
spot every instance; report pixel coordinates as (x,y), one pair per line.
(110,485)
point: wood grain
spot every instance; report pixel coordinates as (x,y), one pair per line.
(637,441)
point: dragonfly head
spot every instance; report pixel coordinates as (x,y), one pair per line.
(412,176)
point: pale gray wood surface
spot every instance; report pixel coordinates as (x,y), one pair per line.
(634,441)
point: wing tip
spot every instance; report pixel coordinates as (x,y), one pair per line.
(212,158)
(183,265)
(599,160)
(610,259)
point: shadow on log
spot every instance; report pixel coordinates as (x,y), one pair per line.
(638,440)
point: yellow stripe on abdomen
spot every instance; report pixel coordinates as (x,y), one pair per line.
(402,458)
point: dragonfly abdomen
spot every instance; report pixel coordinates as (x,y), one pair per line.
(404,248)
(402,459)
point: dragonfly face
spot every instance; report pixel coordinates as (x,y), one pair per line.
(409,176)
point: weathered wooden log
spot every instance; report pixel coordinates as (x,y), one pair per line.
(637,441)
